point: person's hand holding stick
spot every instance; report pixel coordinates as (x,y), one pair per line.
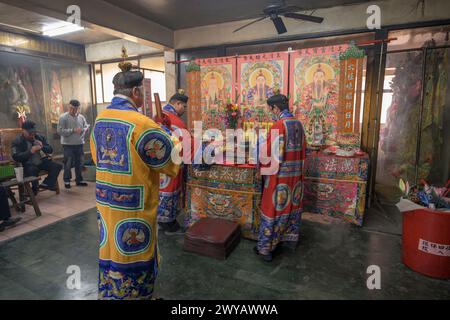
(161,118)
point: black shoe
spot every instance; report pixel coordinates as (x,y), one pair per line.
(265,257)
(180,231)
(2,228)
(46,187)
(10,222)
(82,184)
(171,228)
(67,185)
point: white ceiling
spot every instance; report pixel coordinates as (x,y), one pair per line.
(149,22)
(17,17)
(181,14)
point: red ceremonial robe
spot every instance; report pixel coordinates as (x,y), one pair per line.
(171,189)
(281,204)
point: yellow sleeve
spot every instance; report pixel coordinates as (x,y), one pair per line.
(155,147)
(172,168)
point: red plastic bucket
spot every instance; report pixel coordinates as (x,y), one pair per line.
(426,242)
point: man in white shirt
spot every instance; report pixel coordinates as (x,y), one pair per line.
(72,127)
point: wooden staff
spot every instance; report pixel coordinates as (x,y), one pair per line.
(158,105)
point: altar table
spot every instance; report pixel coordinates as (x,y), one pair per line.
(336,186)
(230,192)
(333,185)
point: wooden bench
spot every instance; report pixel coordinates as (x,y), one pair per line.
(42,173)
(26,194)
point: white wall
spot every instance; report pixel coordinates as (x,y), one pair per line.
(171,78)
(352,17)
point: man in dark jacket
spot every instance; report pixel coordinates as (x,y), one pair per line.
(32,150)
(5,214)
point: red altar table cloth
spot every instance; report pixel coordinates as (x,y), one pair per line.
(336,186)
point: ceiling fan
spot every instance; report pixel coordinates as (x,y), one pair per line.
(274,11)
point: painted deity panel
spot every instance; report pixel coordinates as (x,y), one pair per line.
(217,76)
(260,76)
(314,90)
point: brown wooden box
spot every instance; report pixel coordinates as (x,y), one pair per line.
(212,237)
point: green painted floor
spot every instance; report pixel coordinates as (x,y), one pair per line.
(330,263)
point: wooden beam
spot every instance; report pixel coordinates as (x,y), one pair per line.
(373,101)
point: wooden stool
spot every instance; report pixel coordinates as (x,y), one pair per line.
(26,195)
(212,237)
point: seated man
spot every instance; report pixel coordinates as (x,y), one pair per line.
(33,150)
(5,215)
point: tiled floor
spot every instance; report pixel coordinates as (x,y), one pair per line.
(330,263)
(53,207)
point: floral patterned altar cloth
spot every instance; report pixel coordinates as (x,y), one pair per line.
(335,186)
(231,192)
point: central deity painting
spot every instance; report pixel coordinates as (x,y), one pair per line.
(260,76)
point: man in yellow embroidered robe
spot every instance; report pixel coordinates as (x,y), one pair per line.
(130,151)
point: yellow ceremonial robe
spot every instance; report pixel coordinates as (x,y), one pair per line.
(130,151)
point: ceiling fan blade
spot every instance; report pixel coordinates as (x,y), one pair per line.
(279,25)
(249,17)
(250,23)
(303,17)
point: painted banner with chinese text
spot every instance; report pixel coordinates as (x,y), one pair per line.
(148,105)
(314,92)
(193,87)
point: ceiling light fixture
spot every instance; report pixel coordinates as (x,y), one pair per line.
(58,30)
(10,26)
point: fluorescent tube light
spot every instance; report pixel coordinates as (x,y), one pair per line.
(61,29)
